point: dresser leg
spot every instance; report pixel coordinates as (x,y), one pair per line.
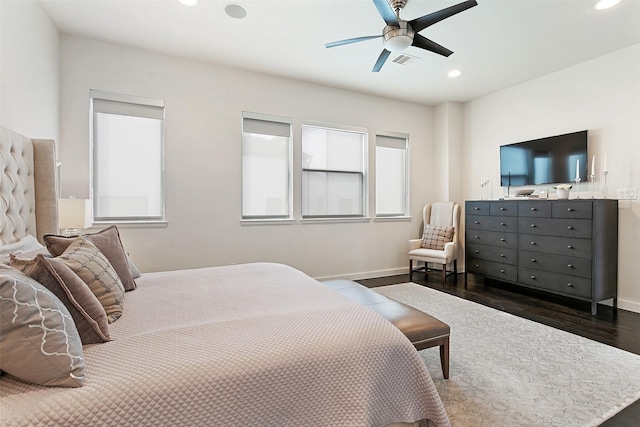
(594,308)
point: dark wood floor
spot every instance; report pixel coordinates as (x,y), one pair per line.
(618,328)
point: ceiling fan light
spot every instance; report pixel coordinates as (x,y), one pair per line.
(397,39)
(398,43)
(235,11)
(605,4)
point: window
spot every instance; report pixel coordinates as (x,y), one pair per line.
(333,172)
(266,167)
(128,157)
(392,182)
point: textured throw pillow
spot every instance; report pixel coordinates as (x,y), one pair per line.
(109,243)
(435,236)
(84,307)
(86,260)
(40,343)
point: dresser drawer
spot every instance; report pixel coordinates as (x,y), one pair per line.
(477,208)
(508,224)
(553,282)
(571,266)
(494,270)
(492,253)
(504,208)
(580,228)
(537,208)
(572,209)
(554,245)
(493,238)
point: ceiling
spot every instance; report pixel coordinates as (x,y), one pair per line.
(497,44)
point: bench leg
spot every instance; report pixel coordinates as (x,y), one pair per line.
(444,358)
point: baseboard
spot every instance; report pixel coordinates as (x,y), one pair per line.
(367,275)
(629,305)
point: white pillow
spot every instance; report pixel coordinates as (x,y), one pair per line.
(27,244)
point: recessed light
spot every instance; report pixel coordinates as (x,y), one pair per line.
(189,2)
(454,73)
(605,4)
(235,11)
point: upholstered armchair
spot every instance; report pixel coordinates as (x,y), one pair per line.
(439,243)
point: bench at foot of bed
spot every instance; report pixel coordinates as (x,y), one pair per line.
(423,330)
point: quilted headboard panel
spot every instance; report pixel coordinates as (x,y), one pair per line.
(28,198)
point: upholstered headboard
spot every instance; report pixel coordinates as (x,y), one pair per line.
(28,196)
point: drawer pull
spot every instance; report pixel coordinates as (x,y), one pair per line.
(533,226)
(503,209)
(533,277)
(477,208)
(502,255)
(570,285)
(476,251)
(569,228)
(477,237)
(476,222)
(569,247)
(502,239)
(570,209)
(533,260)
(477,266)
(501,270)
(533,243)
(570,265)
(534,209)
(502,224)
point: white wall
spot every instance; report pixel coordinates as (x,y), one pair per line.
(603,96)
(204,105)
(29,70)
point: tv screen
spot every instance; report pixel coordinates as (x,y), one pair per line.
(548,160)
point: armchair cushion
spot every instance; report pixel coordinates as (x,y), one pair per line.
(435,236)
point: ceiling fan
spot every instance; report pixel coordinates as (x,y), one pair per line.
(399,34)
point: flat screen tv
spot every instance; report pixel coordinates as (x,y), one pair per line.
(548,160)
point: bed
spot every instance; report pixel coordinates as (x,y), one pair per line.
(244,345)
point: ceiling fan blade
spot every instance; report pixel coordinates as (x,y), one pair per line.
(386,11)
(349,41)
(424,43)
(423,22)
(381,60)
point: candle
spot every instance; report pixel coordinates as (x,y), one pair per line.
(593,166)
(577,169)
(604,165)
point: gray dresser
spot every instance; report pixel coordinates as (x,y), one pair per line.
(566,247)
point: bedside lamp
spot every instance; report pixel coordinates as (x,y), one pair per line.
(74,215)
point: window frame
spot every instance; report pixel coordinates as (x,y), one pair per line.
(260,219)
(407,174)
(135,101)
(364,196)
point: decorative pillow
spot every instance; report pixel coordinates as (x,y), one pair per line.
(135,273)
(40,342)
(86,260)
(109,243)
(84,307)
(435,236)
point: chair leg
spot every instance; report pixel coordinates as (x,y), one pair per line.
(455,271)
(444,358)
(444,273)
(410,270)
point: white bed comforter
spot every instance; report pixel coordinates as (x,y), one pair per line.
(247,345)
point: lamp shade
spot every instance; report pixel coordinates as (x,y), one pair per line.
(74,214)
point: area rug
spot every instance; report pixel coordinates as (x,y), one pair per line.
(509,371)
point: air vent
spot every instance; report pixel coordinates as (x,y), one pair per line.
(404,59)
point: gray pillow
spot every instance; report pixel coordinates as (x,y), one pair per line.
(88,262)
(40,342)
(109,243)
(84,307)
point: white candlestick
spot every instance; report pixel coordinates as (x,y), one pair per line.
(604,165)
(577,168)
(593,166)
